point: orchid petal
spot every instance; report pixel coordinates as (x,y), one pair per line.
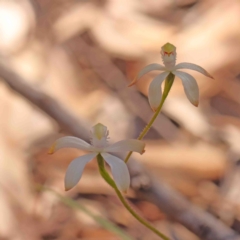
(155,90)
(148,68)
(190,86)
(192,66)
(75,170)
(127,145)
(70,142)
(119,171)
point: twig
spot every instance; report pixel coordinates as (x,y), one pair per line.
(44,102)
(168,200)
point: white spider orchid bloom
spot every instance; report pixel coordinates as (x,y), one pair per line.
(168,53)
(99,145)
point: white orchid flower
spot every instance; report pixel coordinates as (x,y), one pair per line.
(168,53)
(99,145)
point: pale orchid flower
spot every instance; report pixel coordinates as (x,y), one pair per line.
(168,53)
(99,145)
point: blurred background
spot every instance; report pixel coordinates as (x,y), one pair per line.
(81,55)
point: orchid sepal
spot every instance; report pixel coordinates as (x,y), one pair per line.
(70,142)
(126,146)
(190,86)
(147,69)
(119,171)
(75,170)
(194,67)
(155,90)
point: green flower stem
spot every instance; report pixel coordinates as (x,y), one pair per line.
(110,181)
(168,84)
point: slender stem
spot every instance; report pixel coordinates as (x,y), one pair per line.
(110,181)
(103,171)
(168,84)
(141,220)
